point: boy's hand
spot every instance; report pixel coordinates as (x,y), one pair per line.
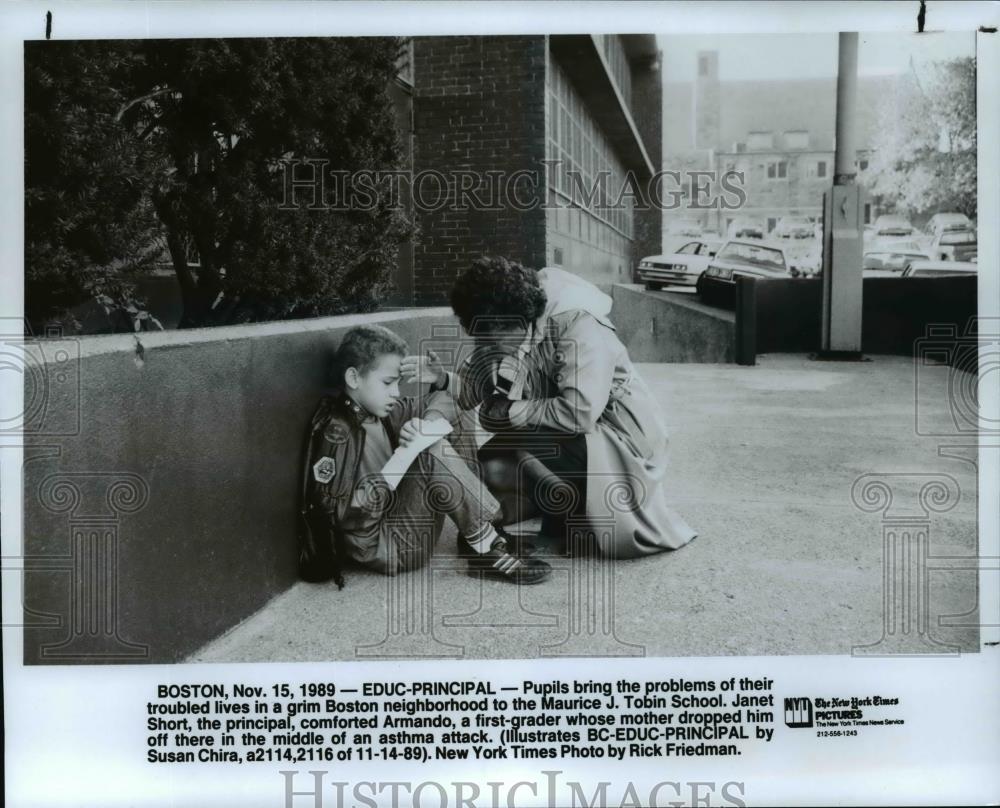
(410,431)
(423,430)
(424,369)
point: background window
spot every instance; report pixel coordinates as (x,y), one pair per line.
(777,170)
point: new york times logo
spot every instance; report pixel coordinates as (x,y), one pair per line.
(799,712)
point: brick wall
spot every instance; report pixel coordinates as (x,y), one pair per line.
(479,106)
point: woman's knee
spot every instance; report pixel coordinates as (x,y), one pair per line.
(499,474)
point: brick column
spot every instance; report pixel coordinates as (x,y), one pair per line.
(479,106)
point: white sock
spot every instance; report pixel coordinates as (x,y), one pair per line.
(482,539)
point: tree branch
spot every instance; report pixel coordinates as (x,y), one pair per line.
(141,99)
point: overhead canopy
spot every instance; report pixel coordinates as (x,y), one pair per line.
(640,46)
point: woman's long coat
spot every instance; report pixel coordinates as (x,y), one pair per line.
(575,376)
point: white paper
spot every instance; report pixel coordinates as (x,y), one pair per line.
(430,432)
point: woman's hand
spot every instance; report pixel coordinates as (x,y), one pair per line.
(423,369)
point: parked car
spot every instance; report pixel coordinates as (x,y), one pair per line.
(713,240)
(744,227)
(954,245)
(890,226)
(794,227)
(896,245)
(682,268)
(951,237)
(947,221)
(889,260)
(749,258)
(805,263)
(940,269)
(680,232)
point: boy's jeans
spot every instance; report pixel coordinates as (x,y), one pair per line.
(440,483)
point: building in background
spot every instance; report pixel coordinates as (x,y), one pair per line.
(778,133)
(564,116)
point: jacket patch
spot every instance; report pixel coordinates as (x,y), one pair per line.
(336,433)
(324,470)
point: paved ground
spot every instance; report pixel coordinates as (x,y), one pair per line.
(763,463)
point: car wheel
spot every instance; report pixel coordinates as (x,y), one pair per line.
(653,287)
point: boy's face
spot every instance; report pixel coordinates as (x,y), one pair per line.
(378,387)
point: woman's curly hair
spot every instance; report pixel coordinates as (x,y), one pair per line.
(494,291)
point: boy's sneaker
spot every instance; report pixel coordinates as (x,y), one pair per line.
(499,563)
(519,544)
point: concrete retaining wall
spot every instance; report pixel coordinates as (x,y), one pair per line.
(166,514)
(161,469)
(671,327)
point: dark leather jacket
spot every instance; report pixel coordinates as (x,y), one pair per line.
(335,442)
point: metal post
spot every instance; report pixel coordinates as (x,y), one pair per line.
(746,320)
(842,280)
(847,86)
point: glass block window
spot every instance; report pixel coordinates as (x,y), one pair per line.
(584,167)
(404,62)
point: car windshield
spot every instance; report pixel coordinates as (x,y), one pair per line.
(960,237)
(752,254)
(895,261)
(895,230)
(893,245)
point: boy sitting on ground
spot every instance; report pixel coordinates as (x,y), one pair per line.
(360,500)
